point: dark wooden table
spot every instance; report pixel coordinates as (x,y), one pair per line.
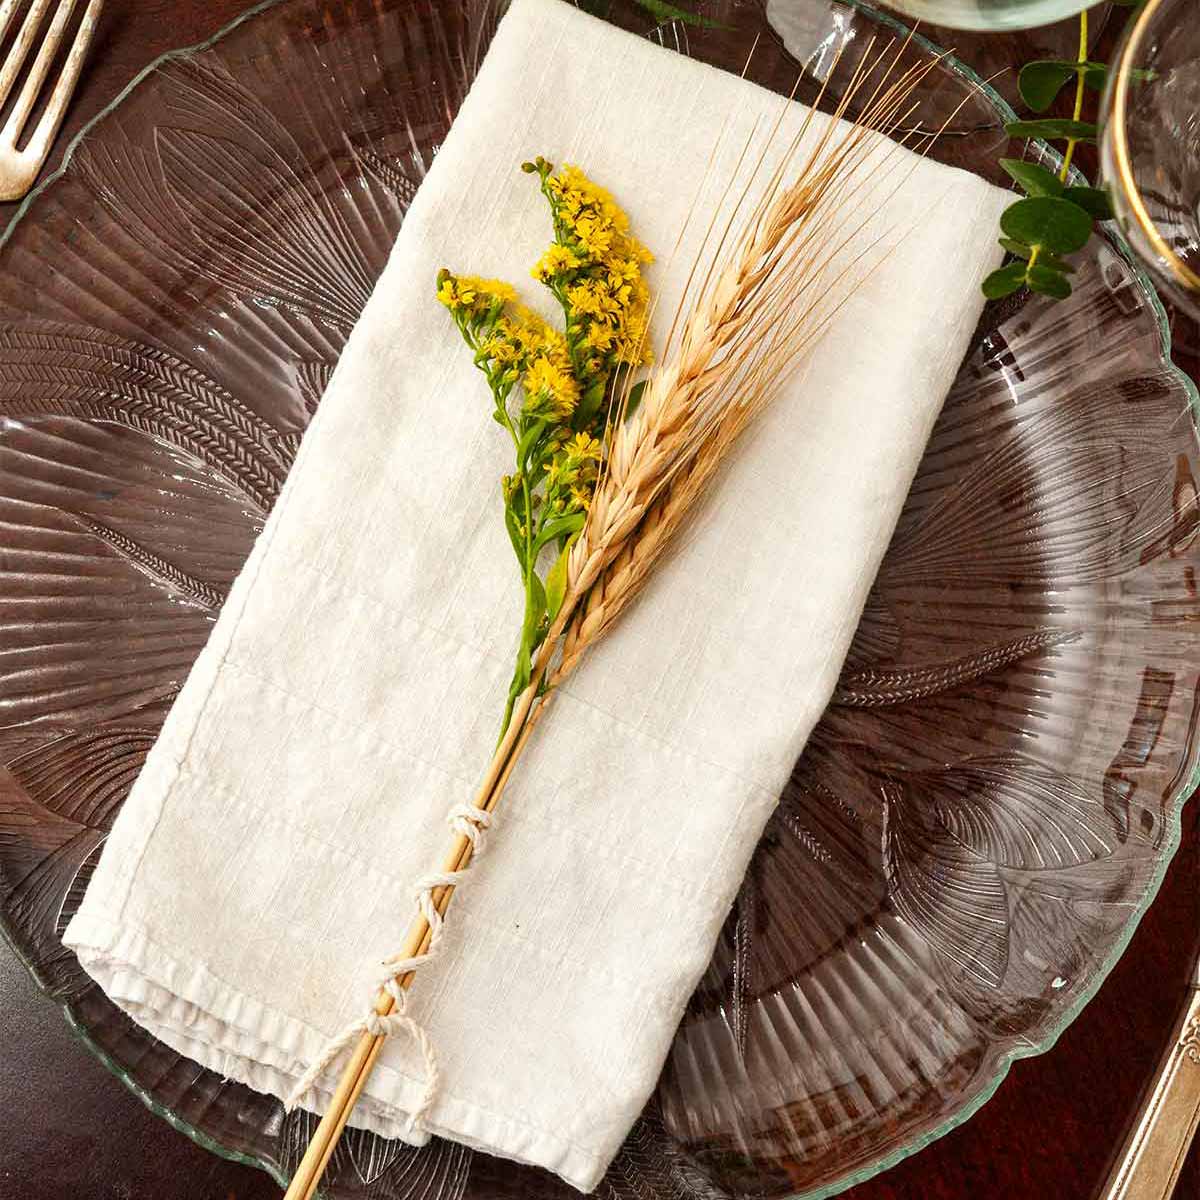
(69,1131)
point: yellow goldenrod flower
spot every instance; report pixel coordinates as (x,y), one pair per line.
(599,336)
(494,289)
(550,390)
(622,271)
(584,448)
(468,292)
(591,298)
(634,346)
(557,260)
(638,251)
(500,345)
(595,234)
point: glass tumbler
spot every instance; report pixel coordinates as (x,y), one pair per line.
(1150,145)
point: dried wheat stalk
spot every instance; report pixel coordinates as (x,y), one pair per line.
(763,292)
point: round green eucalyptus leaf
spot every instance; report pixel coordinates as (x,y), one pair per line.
(1059,225)
(1035,180)
(1004,281)
(1052,128)
(1048,281)
(1054,262)
(1093,201)
(1040,82)
(1017,248)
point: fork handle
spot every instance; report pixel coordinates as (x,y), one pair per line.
(1153,1155)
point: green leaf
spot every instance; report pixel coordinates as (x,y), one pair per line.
(1040,82)
(531,637)
(1048,281)
(523,671)
(559,527)
(1046,259)
(1093,201)
(664,12)
(635,398)
(589,405)
(514,533)
(1059,225)
(1044,256)
(556,583)
(528,440)
(1035,179)
(537,608)
(1018,248)
(1005,281)
(1052,128)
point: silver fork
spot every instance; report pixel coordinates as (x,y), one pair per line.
(19,167)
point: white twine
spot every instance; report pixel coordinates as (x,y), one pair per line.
(470,822)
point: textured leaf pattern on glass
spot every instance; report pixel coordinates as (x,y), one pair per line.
(57,803)
(651,1167)
(952,895)
(877,686)
(383,1168)
(65,371)
(1018,814)
(196,200)
(1024,523)
(171,577)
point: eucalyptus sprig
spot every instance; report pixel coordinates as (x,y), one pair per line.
(1055,218)
(553,389)
(661,10)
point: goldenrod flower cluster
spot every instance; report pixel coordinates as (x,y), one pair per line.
(467,293)
(553,388)
(595,269)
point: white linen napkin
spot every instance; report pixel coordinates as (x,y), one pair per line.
(351,689)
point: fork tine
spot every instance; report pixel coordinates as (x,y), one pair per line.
(8,10)
(48,123)
(20,48)
(37,73)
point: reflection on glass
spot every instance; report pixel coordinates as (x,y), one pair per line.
(1151,144)
(990,14)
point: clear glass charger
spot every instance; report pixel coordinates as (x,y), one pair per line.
(976,826)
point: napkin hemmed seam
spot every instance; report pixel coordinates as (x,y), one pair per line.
(381,748)
(106,948)
(694,892)
(479,645)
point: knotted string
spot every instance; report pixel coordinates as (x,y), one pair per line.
(470,822)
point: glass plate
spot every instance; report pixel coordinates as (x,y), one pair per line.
(981,817)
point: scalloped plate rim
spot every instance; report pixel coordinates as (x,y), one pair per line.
(1173,807)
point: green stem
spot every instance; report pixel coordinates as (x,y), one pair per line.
(528,567)
(1083,53)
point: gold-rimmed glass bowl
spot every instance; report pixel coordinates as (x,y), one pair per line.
(1151,144)
(990,15)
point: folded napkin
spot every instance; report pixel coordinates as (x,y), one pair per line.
(349,696)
